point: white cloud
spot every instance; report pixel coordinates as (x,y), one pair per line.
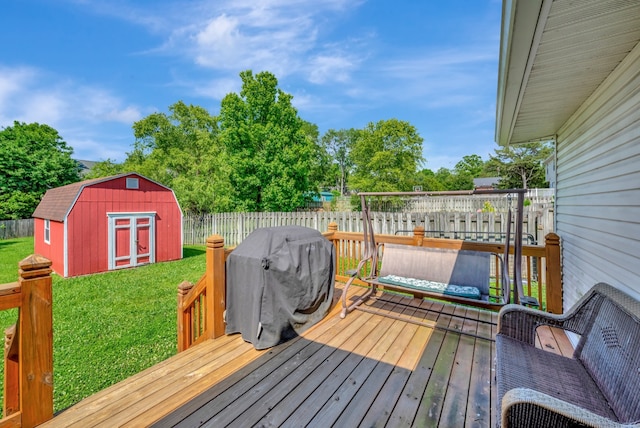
(238,42)
(99,105)
(281,36)
(325,68)
(88,148)
(78,112)
(39,106)
(126,115)
(30,95)
(431,80)
(284,37)
(217,88)
(12,79)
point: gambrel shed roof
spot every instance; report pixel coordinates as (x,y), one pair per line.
(57,203)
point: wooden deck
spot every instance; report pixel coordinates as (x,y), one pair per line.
(397,362)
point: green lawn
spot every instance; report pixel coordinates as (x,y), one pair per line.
(108,326)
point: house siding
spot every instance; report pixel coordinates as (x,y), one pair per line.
(598,186)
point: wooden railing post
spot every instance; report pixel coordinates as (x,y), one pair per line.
(554,273)
(184,328)
(331,232)
(215,285)
(11,372)
(418,235)
(35,332)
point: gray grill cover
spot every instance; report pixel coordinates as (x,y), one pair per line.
(279,283)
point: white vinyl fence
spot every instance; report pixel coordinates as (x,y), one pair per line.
(450,217)
(479,226)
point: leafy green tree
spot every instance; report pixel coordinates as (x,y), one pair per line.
(270,156)
(460,178)
(429,182)
(470,165)
(17,205)
(105,168)
(33,159)
(462,181)
(320,160)
(338,144)
(181,150)
(446,178)
(520,165)
(386,157)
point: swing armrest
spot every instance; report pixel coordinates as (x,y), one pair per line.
(529,301)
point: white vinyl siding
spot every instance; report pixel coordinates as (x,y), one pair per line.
(598,186)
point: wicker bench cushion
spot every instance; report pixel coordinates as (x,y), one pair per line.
(432,286)
(522,366)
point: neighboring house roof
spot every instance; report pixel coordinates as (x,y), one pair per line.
(85,166)
(550,64)
(57,202)
(486,182)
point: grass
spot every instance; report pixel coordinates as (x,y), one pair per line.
(107,326)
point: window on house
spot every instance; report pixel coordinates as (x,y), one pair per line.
(47,231)
(132,183)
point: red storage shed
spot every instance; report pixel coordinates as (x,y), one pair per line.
(108,223)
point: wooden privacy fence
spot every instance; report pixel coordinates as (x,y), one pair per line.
(474,226)
(10,229)
(201,306)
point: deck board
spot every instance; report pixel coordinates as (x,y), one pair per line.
(331,396)
(480,402)
(397,362)
(457,393)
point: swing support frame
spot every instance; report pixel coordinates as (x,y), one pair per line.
(370,251)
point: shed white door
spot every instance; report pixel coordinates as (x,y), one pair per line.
(131,240)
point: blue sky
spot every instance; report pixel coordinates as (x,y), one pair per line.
(90,68)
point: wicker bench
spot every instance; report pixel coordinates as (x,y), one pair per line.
(460,276)
(599,386)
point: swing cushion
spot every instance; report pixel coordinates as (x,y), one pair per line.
(432,286)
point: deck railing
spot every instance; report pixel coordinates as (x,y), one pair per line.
(201,306)
(541,270)
(28,353)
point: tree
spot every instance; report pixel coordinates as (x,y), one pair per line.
(338,145)
(461,178)
(181,150)
(270,156)
(105,168)
(445,179)
(429,182)
(33,159)
(320,159)
(520,165)
(470,165)
(386,157)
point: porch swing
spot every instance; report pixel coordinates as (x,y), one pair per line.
(454,275)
